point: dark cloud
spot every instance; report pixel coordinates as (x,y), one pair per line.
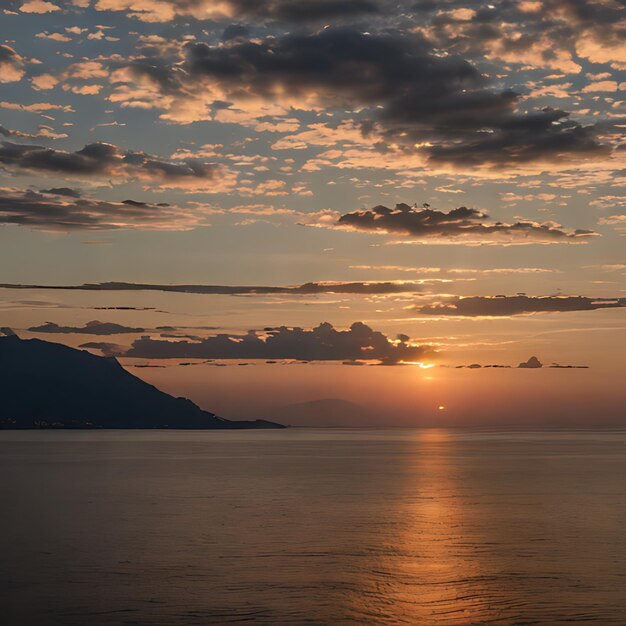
(568,367)
(418,100)
(61,209)
(500,306)
(547,134)
(458,223)
(386,287)
(7,54)
(43,132)
(550,33)
(90,328)
(342,64)
(126,308)
(62,191)
(96,158)
(299,12)
(7,132)
(532,363)
(304,10)
(323,343)
(107,349)
(149,366)
(235,31)
(103,159)
(11,65)
(180,336)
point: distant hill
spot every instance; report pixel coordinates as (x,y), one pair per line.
(49,385)
(325,413)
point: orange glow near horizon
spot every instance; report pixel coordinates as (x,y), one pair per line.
(420,364)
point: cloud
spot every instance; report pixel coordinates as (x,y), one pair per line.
(542,136)
(613,219)
(284,10)
(460,270)
(36,107)
(602,85)
(107,348)
(61,210)
(461,223)
(39,7)
(235,31)
(323,343)
(503,306)
(304,10)
(618,221)
(511,35)
(44,82)
(319,134)
(504,270)
(532,363)
(62,191)
(90,328)
(99,160)
(59,37)
(597,29)
(126,308)
(552,34)
(340,64)
(437,107)
(568,367)
(11,65)
(312,288)
(7,132)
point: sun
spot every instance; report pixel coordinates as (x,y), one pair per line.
(441,407)
(420,364)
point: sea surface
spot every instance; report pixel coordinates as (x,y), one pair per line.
(309,526)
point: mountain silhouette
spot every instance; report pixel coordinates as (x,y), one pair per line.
(50,385)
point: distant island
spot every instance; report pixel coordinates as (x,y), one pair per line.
(50,385)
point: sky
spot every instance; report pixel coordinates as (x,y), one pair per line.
(263,203)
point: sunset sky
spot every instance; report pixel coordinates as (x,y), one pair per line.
(351,197)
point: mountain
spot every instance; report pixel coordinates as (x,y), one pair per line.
(50,385)
(326,413)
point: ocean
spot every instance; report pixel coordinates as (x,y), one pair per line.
(306,526)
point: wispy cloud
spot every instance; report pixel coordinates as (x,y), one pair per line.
(312,288)
(460,270)
(94,327)
(504,306)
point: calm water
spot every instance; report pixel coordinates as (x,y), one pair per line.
(313,527)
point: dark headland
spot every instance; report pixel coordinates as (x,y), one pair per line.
(50,385)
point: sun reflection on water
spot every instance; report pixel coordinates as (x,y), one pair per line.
(427,569)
